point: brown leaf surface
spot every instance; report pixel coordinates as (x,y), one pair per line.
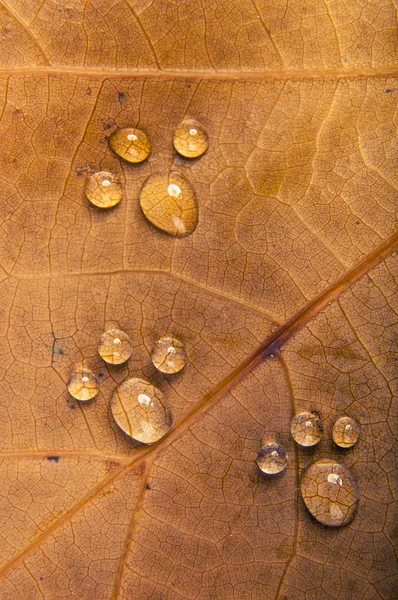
(285,296)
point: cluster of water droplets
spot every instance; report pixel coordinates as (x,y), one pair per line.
(167,199)
(329,490)
(139,408)
(169,202)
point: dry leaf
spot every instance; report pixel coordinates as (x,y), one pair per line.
(284,296)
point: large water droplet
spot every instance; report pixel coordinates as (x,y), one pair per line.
(83,385)
(330,492)
(346,432)
(272,459)
(115,347)
(168,201)
(306,428)
(168,355)
(131,144)
(103,189)
(141,410)
(190,139)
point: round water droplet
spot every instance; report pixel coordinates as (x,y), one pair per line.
(330,492)
(306,428)
(103,189)
(131,144)
(141,410)
(272,459)
(115,347)
(190,139)
(168,201)
(346,432)
(168,355)
(83,385)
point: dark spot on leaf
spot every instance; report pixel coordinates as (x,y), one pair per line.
(53,458)
(122,97)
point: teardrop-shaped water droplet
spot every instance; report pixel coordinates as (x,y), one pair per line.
(103,189)
(330,492)
(190,139)
(168,355)
(141,410)
(115,347)
(131,144)
(272,459)
(346,432)
(306,428)
(169,202)
(83,385)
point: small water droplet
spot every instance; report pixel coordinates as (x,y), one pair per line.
(168,355)
(83,385)
(103,189)
(272,459)
(131,144)
(306,429)
(346,432)
(169,203)
(115,347)
(330,492)
(190,139)
(141,410)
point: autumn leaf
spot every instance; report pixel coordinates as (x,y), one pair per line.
(284,296)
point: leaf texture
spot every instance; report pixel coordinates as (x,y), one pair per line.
(285,296)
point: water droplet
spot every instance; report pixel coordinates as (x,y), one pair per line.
(272,459)
(168,201)
(103,189)
(190,139)
(115,347)
(83,385)
(306,428)
(346,432)
(141,410)
(168,355)
(131,144)
(330,492)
